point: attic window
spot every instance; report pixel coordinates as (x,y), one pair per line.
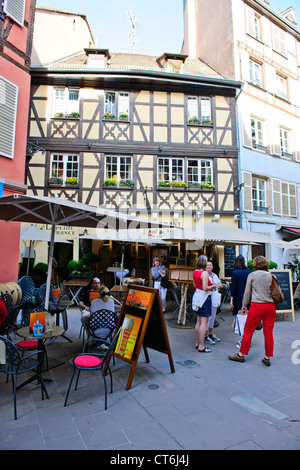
(172,62)
(97,58)
(15,9)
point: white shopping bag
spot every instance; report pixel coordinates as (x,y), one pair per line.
(239,325)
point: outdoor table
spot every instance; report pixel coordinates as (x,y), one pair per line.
(27,334)
(75,286)
(58,309)
(119,291)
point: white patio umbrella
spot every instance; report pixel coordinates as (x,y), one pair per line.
(55,211)
(124,237)
(214,233)
(294,244)
(32,234)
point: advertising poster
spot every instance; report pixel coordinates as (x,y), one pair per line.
(139,299)
(128,336)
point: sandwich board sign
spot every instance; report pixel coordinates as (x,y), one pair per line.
(142,323)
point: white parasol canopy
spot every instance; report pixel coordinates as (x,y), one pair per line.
(55,211)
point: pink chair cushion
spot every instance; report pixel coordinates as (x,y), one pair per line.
(29,343)
(87,361)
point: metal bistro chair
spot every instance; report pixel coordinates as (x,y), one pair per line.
(296,297)
(32,344)
(40,296)
(92,361)
(15,365)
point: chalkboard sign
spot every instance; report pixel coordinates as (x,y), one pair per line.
(284,278)
(142,323)
(229,258)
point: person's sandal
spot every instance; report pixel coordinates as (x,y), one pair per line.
(205,350)
(266,361)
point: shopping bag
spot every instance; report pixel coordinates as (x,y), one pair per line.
(239,325)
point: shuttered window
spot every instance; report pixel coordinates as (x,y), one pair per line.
(284,198)
(8,114)
(15,9)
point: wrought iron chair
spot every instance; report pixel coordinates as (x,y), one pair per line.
(8,323)
(92,361)
(13,364)
(296,297)
(31,344)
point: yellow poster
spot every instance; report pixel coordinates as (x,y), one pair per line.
(128,336)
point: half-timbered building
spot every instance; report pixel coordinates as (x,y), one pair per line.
(155,136)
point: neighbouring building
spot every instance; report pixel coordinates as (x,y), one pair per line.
(261,48)
(16,30)
(154,136)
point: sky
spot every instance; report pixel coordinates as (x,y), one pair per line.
(159,23)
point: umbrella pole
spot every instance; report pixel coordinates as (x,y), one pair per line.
(49,267)
(28,259)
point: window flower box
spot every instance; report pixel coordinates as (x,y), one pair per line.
(172,184)
(127,182)
(55,181)
(72,181)
(109,117)
(110,182)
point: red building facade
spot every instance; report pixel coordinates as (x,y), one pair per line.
(16,31)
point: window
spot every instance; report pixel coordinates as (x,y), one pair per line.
(66,102)
(170,169)
(116,104)
(8,115)
(118,168)
(279,40)
(253,24)
(199,171)
(255,72)
(199,109)
(284,198)
(255,193)
(281,86)
(64,166)
(257,134)
(15,9)
(192,172)
(259,194)
(285,143)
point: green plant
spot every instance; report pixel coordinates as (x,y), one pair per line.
(59,115)
(206,121)
(123,116)
(127,182)
(272,265)
(72,180)
(90,259)
(110,182)
(74,265)
(56,180)
(207,185)
(194,119)
(109,116)
(73,114)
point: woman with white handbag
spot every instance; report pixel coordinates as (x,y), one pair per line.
(211,338)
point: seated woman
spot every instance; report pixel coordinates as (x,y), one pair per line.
(108,322)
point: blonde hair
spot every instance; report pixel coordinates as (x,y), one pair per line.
(261,263)
(104,293)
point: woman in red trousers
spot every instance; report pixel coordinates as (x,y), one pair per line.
(262,308)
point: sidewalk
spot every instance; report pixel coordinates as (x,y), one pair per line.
(208,403)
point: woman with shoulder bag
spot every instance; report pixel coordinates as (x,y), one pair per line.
(262,308)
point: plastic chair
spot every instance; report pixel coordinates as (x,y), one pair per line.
(87,361)
(15,365)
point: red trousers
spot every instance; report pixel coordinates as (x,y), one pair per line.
(258,312)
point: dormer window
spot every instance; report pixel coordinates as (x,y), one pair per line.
(97,58)
(171,62)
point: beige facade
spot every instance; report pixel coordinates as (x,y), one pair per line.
(160,130)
